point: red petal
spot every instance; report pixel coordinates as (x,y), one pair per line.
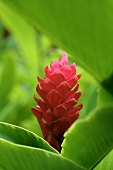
(66,71)
(60,126)
(77,95)
(76,88)
(37,113)
(74,95)
(74,110)
(45,127)
(42,104)
(50,138)
(54,98)
(40,80)
(63,88)
(79,75)
(73,91)
(73,70)
(48,116)
(47,85)
(63,59)
(40,92)
(70,103)
(55,65)
(73,118)
(72,82)
(47,71)
(57,77)
(59,111)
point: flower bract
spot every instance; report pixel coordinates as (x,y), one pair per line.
(57,108)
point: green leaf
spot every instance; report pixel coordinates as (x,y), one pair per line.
(89,100)
(82,28)
(104,97)
(34,126)
(88,141)
(21,136)
(7,76)
(7,113)
(88,87)
(23,32)
(18,157)
(106,163)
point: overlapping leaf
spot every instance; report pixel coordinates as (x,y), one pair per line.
(21,136)
(90,140)
(82,28)
(21,149)
(106,163)
(20,157)
(104,97)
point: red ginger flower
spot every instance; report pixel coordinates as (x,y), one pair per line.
(56,111)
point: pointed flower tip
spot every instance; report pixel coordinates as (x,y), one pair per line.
(63,59)
(80,106)
(79,76)
(59,97)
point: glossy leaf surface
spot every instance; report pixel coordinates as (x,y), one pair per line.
(88,141)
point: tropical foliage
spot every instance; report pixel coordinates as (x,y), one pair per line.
(32,34)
